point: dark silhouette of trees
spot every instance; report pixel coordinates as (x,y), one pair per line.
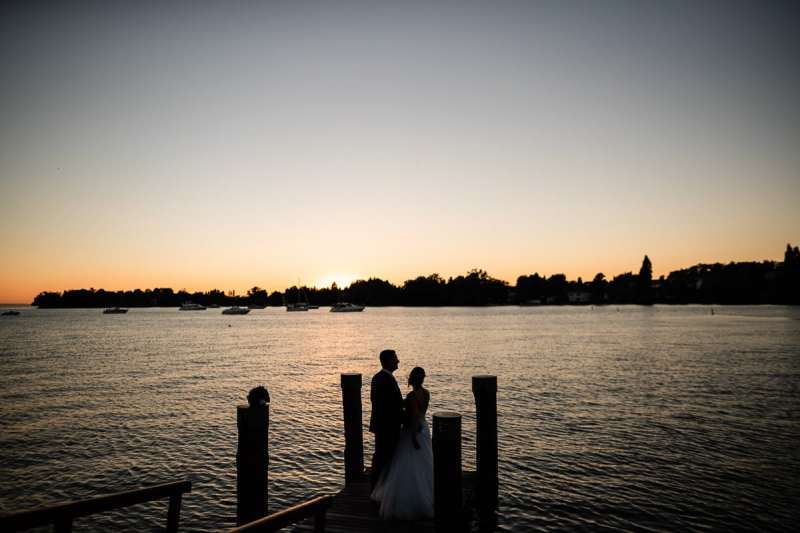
(164,298)
(623,288)
(48,299)
(476,288)
(373,291)
(257,296)
(531,289)
(556,289)
(599,289)
(646,272)
(733,283)
(644,283)
(790,275)
(424,290)
(275,299)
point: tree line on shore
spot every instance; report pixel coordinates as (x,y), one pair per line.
(766,282)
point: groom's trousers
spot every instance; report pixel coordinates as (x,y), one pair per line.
(385,445)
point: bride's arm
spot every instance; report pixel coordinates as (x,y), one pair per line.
(413,416)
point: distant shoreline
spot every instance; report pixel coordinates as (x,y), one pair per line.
(744,283)
(696,304)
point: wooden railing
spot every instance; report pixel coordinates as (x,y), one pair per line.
(316,507)
(63,514)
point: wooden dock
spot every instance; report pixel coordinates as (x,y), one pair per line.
(353,512)
(456,493)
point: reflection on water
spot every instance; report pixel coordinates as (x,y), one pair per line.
(624,418)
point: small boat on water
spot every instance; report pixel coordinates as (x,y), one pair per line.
(345,307)
(236,310)
(302,303)
(213,306)
(11,312)
(189,306)
(115,311)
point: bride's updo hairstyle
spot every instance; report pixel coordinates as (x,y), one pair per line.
(416,377)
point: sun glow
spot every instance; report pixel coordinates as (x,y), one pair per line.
(342,280)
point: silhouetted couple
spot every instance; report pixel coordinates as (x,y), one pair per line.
(402,466)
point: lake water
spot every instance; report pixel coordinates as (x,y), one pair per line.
(615,418)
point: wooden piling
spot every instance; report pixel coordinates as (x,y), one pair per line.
(484,388)
(252,461)
(353,434)
(447,480)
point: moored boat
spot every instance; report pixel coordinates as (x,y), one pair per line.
(114,311)
(10,312)
(345,307)
(302,303)
(189,306)
(236,310)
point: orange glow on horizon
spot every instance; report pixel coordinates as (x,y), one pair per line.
(21,279)
(342,281)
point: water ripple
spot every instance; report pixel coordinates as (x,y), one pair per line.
(647,419)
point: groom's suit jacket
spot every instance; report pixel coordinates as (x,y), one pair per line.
(387,404)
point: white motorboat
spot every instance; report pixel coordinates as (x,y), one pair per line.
(115,311)
(236,310)
(299,306)
(189,306)
(345,307)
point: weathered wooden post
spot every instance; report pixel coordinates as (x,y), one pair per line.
(447,492)
(174,512)
(252,460)
(485,390)
(353,433)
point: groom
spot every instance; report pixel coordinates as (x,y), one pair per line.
(387,413)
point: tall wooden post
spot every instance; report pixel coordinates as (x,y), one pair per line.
(353,432)
(252,460)
(485,390)
(447,492)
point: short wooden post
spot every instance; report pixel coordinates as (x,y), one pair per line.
(485,390)
(447,492)
(252,460)
(353,433)
(319,521)
(63,525)
(174,513)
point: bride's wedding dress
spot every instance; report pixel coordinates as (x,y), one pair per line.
(405,491)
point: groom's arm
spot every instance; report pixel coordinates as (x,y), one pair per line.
(375,402)
(379,400)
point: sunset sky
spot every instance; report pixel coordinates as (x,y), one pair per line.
(232,144)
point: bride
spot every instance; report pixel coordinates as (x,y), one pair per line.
(405,490)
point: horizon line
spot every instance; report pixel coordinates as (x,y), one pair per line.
(445,278)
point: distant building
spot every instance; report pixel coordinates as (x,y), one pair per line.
(579,297)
